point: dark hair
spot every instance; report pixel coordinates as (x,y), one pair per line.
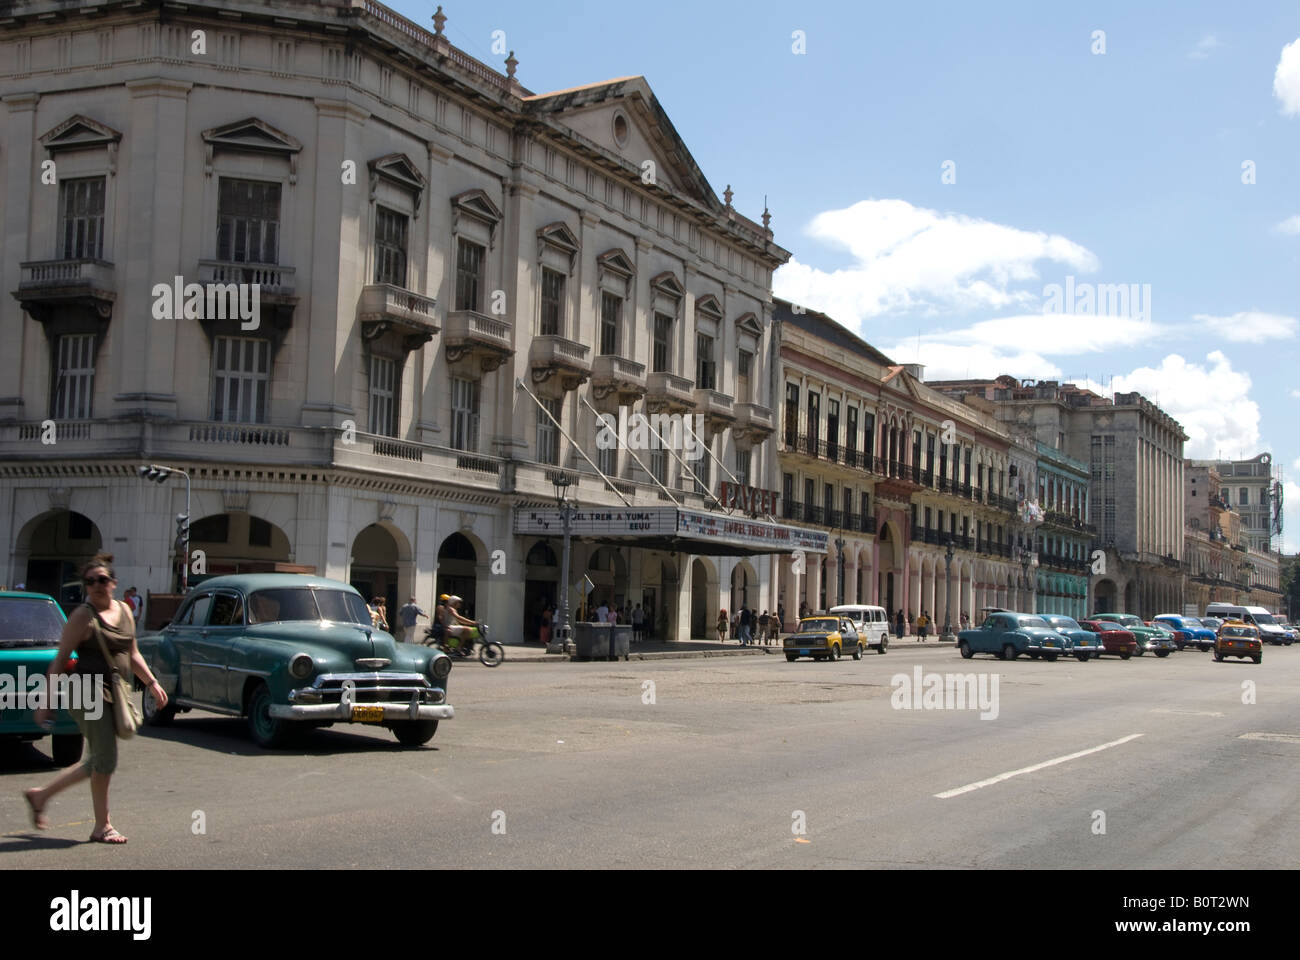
(104,560)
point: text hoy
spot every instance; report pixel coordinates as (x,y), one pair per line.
(211,301)
(76,913)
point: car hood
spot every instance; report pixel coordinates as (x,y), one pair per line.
(1080,636)
(350,640)
(1042,633)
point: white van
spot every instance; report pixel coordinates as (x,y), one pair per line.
(1269,630)
(872,623)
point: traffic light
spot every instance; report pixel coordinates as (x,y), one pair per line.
(155,473)
(182,532)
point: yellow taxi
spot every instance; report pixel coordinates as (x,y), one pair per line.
(1238,639)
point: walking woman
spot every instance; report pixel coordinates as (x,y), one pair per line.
(100,621)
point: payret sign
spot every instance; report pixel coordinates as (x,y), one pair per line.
(750,500)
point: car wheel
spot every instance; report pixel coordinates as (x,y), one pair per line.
(1033,654)
(267,731)
(884,646)
(791,657)
(857,652)
(152,714)
(414,733)
(1082,657)
(1139,651)
(1258,658)
(1218,656)
(965,650)
(1162,653)
(1050,657)
(1126,654)
(66,748)
(835,652)
(1009,652)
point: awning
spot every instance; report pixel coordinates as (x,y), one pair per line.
(673,529)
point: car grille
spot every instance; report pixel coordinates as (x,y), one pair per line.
(376,688)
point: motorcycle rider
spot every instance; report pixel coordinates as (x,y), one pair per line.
(457,627)
(437,626)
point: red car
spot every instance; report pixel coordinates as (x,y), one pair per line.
(1114,640)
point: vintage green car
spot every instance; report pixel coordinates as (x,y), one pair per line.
(30,627)
(1149,639)
(290,651)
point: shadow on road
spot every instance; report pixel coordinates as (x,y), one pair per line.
(229,735)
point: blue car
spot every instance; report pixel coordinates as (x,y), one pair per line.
(1198,634)
(1008,635)
(30,627)
(1084,644)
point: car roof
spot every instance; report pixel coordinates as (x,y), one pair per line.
(26,595)
(262,581)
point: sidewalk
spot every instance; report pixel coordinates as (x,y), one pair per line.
(690,649)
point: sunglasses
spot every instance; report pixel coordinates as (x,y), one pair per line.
(101,581)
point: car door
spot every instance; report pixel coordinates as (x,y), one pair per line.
(988,637)
(218,642)
(207,669)
(182,634)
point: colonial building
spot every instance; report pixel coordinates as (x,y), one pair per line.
(372,296)
(1256,493)
(1214,556)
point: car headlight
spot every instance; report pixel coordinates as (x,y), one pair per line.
(439,667)
(301,666)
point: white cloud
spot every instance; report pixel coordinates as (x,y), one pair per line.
(918,260)
(1290,542)
(1211,402)
(1291,225)
(1286,79)
(1203,47)
(1296,394)
(1249,326)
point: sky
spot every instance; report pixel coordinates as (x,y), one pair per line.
(945,173)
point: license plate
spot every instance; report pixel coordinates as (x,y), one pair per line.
(804,653)
(367,714)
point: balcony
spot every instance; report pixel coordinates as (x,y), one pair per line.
(275,284)
(479,340)
(918,533)
(754,423)
(385,307)
(668,393)
(617,381)
(853,458)
(999,502)
(791,509)
(867,524)
(717,408)
(48,285)
(551,356)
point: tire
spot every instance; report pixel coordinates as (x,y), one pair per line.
(791,657)
(1009,652)
(1032,654)
(415,733)
(267,731)
(1139,651)
(835,653)
(490,654)
(1218,656)
(153,716)
(1050,657)
(1258,658)
(857,652)
(884,645)
(66,748)
(1082,657)
(1126,654)
(965,650)
(1162,653)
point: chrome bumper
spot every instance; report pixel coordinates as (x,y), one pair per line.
(343,711)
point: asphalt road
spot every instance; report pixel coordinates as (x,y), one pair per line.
(566,765)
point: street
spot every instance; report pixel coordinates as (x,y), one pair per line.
(747,762)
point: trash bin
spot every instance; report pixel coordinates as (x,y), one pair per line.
(591,641)
(620,643)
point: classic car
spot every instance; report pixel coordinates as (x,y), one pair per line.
(1238,639)
(1007,635)
(1197,634)
(30,627)
(1085,643)
(1149,639)
(1114,639)
(824,638)
(290,651)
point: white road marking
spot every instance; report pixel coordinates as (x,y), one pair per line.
(1276,737)
(1188,713)
(1038,766)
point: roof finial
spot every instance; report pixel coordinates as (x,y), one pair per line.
(727,195)
(767,216)
(439,19)
(511,64)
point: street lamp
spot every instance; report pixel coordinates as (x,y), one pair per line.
(839,545)
(1025,556)
(560,635)
(948,554)
(153,472)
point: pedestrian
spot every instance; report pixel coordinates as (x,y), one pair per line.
(965,620)
(922,622)
(132,597)
(762,627)
(99,626)
(898,624)
(612,616)
(544,631)
(746,621)
(602,613)
(378,613)
(803,609)
(780,620)
(722,626)
(638,623)
(406,616)
(649,623)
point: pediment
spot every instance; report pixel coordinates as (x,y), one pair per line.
(399,170)
(748,322)
(477,204)
(558,237)
(616,261)
(668,284)
(253,135)
(79,132)
(708,306)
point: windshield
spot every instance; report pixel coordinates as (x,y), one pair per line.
(818,626)
(1193,623)
(1263,619)
(1033,622)
(1064,623)
(305,603)
(1238,632)
(29,623)
(1212,622)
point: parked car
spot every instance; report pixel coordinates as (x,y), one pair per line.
(1008,635)
(871,623)
(1149,639)
(1258,617)
(1085,644)
(290,651)
(30,627)
(824,637)
(1114,638)
(1238,639)
(1179,637)
(1197,634)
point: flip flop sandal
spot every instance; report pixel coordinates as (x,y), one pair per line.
(39,820)
(108,836)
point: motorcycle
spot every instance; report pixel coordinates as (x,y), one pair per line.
(490,652)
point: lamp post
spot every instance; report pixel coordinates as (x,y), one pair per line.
(948,554)
(560,635)
(839,589)
(1024,566)
(159,474)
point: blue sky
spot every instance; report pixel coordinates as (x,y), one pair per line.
(1117,167)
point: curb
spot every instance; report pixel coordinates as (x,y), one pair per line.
(700,654)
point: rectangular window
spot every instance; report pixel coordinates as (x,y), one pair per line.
(390,247)
(743,458)
(868,434)
(81,205)
(552,303)
(791,414)
(744,362)
(809,498)
(833,428)
(74,377)
(851,428)
(383,393)
(814,420)
(241,376)
(469,275)
(464,414)
(611,316)
(659,464)
(548,436)
(607,460)
(705,369)
(248,221)
(662,354)
(787,494)
(703,468)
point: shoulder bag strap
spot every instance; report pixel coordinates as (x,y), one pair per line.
(108,658)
